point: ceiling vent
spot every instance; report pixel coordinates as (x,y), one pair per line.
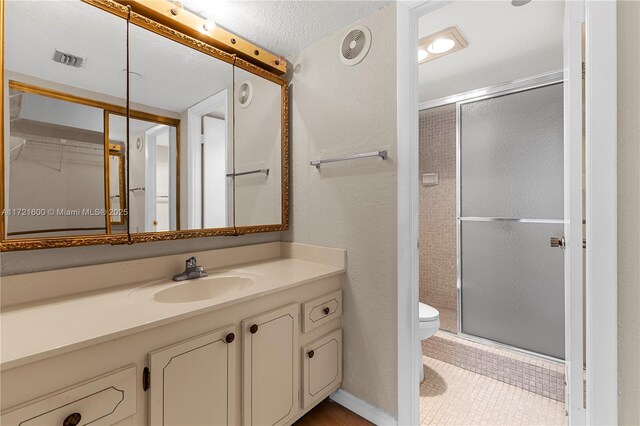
(355,45)
(68,59)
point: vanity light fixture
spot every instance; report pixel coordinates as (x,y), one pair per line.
(439,44)
(209,25)
(176,7)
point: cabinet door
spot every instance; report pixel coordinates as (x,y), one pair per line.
(271,367)
(321,368)
(193,382)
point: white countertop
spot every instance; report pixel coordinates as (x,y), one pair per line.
(34,332)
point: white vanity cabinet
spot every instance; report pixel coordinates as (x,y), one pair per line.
(133,360)
(193,382)
(271,367)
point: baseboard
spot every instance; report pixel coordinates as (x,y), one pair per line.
(363,409)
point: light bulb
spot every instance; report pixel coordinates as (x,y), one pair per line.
(422,55)
(441,45)
(209,25)
(176,7)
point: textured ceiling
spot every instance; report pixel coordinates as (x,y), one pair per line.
(283,27)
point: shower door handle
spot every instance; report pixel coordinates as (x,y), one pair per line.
(557,242)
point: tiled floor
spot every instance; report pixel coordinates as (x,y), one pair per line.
(451,395)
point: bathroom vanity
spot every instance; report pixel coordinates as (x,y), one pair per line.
(258,341)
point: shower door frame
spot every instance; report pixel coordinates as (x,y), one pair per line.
(489,92)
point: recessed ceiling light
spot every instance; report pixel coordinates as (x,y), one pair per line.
(518,3)
(441,43)
(422,55)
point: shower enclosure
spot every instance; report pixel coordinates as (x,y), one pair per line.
(509,204)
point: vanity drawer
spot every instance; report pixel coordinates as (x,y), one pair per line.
(321,368)
(321,310)
(101,401)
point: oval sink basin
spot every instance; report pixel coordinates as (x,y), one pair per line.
(203,289)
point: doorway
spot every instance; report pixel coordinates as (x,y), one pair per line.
(600,23)
(491,171)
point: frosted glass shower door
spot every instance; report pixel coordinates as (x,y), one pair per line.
(511,204)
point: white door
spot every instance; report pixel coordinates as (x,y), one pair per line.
(214,172)
(160,179)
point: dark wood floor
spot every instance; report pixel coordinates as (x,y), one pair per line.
(329,413)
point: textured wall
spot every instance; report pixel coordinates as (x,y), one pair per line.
(338,110)
(628,208)
(438,272)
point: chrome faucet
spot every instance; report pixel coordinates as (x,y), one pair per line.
(191,271)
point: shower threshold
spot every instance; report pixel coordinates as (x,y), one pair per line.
(532,372)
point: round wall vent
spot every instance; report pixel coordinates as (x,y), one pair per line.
(355,45)
(245,94)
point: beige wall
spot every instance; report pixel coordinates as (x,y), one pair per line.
(438,250)
(338,110)
(628,211)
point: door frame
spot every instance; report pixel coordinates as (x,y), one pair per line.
(601,209)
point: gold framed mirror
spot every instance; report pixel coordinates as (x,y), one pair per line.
(57,83)
(155,79)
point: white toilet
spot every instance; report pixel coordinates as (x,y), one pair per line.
(429,324)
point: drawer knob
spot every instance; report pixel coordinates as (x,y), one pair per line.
(253,329)
(326,311)
(311,353)
(72,419)
(230,338)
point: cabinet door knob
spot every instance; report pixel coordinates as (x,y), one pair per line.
(311,353)
(72,419)
(230,338)
(326,311)
(253,329)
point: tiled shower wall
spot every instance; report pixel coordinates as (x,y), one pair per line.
(438,213)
